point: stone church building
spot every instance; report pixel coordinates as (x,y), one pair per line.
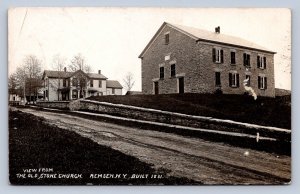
(180,59)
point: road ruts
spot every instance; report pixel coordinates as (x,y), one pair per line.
(194,158)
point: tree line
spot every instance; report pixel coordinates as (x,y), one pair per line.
(27,82)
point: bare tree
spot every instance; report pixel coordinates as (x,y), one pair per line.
(21,77)
(129,81)
(12,83)
(33,71)
(58,64)
(78,62)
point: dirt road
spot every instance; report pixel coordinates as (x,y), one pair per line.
(194,158)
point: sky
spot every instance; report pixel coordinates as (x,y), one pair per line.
(111,39)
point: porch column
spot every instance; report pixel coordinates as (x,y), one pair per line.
(70,92)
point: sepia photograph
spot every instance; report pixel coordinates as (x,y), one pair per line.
(149,96)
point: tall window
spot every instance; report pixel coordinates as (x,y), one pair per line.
(217,55)
(113,90)
(234,80)
(173,70)
(262,82)
(74,82)
(64,82)
(248,80)
(261,62)
(100,83)
(167,38)
(161,72)
(232,56)
(218,78)
(92,83)
(246,60)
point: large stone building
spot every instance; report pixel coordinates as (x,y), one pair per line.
(63,85)
(180,59)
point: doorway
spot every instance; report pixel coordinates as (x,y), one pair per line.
(181,85)
(156,90)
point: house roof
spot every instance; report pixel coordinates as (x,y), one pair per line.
(113,84)
(63,74)
(96,76)
(209,36)
(55,74)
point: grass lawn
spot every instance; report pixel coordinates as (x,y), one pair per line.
(34,144)
(263,111)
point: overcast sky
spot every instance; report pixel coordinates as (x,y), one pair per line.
(112,38)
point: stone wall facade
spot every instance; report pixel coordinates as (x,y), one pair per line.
(194,63)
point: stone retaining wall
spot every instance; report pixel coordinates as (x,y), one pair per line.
(54,104)
(170,118)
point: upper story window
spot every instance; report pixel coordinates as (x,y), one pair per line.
(261,62)
(232,57)
(100,83)
(234,81)
(262,82)
(161,72)
(217,55)
(64,82)
(173,70)
(74,82)
(92,83)
(246,59)
(167,38)
(113,90)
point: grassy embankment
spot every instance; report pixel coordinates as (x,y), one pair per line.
(274,112)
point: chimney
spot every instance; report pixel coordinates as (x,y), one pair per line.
(65,69)
(99,71)
(217,30)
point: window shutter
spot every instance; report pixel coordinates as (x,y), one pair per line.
(214,54)
(237,80)
(248,60)
(265,62)
(258,61)
(265,82)
(258,81)
(230,79)
(222,58)
(244,58)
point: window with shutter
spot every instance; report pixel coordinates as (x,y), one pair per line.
(234,80)
(167,38)
(262,82)
(261,62)
(173,70)
(218,56)
(214,54)
(232,54)
(218,78)
(248,80)
(246,58)
(161,72)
